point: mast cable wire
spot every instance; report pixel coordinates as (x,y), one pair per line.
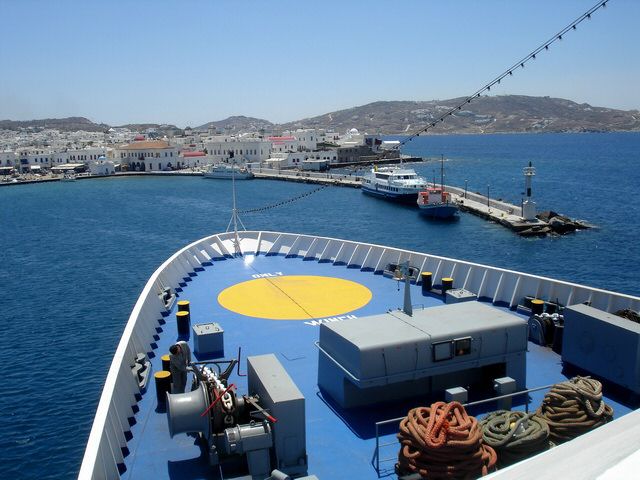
(508,72)
(487,87)
(284,202)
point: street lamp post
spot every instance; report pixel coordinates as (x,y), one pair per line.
(488,201)
(466,183)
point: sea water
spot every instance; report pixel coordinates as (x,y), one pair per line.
(76,255)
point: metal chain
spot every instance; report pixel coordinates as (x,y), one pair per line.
(284,202)
(507,73)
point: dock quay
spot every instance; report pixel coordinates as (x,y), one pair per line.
(321,178)
(497,211)
(511,216)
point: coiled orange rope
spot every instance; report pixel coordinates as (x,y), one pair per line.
(442,441)
(574,407)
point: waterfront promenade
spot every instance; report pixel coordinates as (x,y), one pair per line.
(322,178)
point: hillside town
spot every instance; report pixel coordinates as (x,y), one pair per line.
(35,153)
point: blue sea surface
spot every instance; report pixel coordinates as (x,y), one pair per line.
(75,257)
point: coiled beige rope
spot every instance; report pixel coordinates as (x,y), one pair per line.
(574,407)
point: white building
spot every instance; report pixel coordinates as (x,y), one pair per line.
(84,155)
(248,150)
(102,166)
(33,159)
(330,156)
(7,159)
(148,155)
(195,159)
(285,143)
(280,160)
(308,138)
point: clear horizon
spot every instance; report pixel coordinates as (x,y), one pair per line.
(189,63)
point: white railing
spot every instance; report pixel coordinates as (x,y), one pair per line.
(107,437)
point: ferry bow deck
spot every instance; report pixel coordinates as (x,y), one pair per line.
(273,300)
(247,286)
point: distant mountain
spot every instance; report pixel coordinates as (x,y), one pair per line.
(72,124)
(238,124)
(69,124)
(496,114)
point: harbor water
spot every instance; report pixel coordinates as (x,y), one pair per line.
(76,255)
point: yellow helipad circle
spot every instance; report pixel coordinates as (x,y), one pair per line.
(294,297)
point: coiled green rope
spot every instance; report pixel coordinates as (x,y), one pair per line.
(515,435)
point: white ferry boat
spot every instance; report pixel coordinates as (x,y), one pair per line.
(228,171)
(394,183)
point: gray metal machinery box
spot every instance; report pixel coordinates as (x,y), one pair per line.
(284,401)
(391,356)
(208,339)
(603,344)
(459,295)
(456,394)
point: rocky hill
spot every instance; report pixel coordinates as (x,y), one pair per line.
(69,124)
(495,114)
(487,114)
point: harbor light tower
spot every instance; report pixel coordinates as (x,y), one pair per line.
(528,206)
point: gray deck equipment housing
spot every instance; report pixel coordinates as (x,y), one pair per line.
(280,396)
(604,344)
(391,356)
(459,295)
(208,339)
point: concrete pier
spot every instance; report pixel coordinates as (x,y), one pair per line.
(322,178)
(498,211)
(511,215)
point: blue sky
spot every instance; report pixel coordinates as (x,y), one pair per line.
(192,61)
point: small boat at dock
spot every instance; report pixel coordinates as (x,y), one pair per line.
(435,201)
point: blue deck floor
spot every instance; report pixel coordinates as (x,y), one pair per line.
(339,444)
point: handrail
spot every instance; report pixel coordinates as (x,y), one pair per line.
(337,364)
(433,370)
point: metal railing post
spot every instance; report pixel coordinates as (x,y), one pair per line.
(377,450)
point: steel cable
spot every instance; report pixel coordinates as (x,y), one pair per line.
(284,202)
(508,72)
